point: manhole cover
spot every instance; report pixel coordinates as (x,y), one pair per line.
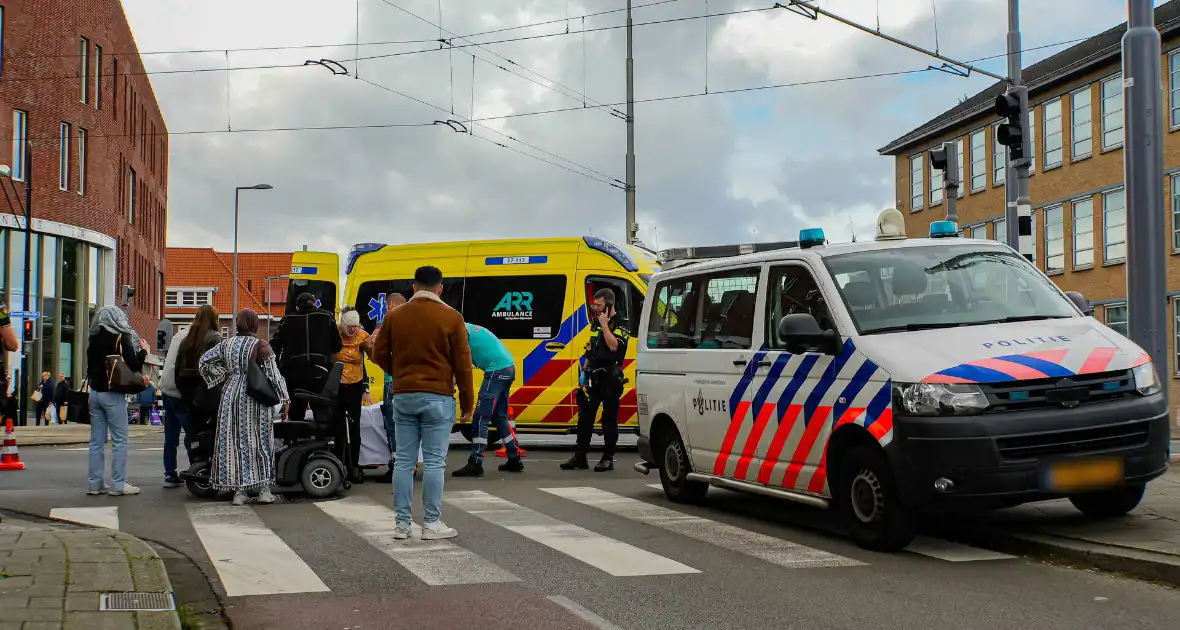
(136,601)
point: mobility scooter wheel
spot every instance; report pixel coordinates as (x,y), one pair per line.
(321,477)
(197,482)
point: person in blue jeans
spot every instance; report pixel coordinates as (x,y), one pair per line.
(423,344)
(492,357)
(392,301)
(110,334)
(176,413)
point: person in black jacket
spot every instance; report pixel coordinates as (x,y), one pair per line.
(111,335)
(61,397)
(200,402)
(305,344)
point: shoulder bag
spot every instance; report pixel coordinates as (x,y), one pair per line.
(120,377)
(258,386)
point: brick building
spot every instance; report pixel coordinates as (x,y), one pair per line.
(202,276)
(76,106)
(1079,204)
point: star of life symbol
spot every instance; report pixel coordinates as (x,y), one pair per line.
(377,308)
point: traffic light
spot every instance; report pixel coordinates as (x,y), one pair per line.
(946,159)
(28,330)
(126,292)
(1011,133)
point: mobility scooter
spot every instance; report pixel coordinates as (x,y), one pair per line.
(303,456)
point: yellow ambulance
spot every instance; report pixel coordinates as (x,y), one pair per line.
(532,293)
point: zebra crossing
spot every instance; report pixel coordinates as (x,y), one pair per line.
(252,559)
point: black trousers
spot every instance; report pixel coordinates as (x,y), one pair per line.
(307,380)
(348,418)
(602,393)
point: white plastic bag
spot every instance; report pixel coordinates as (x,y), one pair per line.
(51,414)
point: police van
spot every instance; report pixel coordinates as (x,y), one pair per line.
(888,377)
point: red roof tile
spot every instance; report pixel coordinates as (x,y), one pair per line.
(203,267)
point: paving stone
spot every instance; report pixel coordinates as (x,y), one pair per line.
(7,540)
(13,601)
(15,582)
(11,625)
(47,578)
(46,602)
(34,614)
(36,590)
(149,575)
(34,540)
(157,621)
(4,553)
(99,621)
(41,625)
(18,568)
(97,554)
(76,601)
(25,556)
(96,576)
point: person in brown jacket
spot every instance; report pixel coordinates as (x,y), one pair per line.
(423,347)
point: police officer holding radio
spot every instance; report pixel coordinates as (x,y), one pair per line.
(601,382)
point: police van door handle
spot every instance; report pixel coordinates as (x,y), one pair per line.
(763,364)
(554,346)
(740,362)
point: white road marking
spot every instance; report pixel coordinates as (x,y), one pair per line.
(583,614)
(107,517)
(612,556)
(953,551)
(83,448)
(435,562)
(249,557)
(153,448)
(656,486)
(769,548)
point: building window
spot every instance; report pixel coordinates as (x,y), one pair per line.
(1083,126)
(978,160)
(936,183)
(225,332)
(115,88)
(959,150)
(1,40)
(131,196)
(97,76)
(1116,317)
(84,67)
(1114,225)
(917,187)
(1000,229)
(1176,213)
(81,161)
(1053,152)
(1054,239)
(20,144)
(178,298)
(1032,141)
(1112,112)
(1174,88)
(1083,233)
(63,159)
(1032,237)
(999,158)
(978,231)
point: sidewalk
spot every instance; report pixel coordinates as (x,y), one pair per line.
(55,577)
(1145,543)
(70,434)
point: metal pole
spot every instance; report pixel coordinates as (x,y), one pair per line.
(233,328)
(1018,212)
(26,344)
(631,231)
(268,311)
(1143,172)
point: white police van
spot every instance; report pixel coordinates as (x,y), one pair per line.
(889,377)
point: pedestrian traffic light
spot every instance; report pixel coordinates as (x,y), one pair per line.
(1011,133)
(28,330)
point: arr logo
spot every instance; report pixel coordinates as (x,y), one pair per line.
(514,305)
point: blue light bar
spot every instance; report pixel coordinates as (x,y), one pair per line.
(614,251)
(943,229)
(811,237)
(357,250)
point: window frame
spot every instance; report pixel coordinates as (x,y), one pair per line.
(940,188)
(63,159)
(1174,180)
(1126,315)
(1074,125)
(770,340)
(725,274)
(131,182)
(960,145)
(1032,140)
(97,77)
(493,325)
(1073,205)
(999,159)
(918,201)
(83,150)
(1112,80)
(84,65)
(652,337)
(1174,90)
(1059,211)
(981,162)
(1176,336)
(1106,260)
(633,306)
(1048,132)
(20,144)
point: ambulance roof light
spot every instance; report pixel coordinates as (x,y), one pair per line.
(890,225)
(358,250)
(811,237)
(943,229)
(621,256)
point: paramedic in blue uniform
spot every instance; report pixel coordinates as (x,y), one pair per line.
(601,382)
(393,301)
(493,358)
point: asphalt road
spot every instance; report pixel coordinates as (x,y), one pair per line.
(554,549)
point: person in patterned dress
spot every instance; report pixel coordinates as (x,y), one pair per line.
(244,455)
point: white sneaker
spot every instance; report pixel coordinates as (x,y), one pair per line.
(437,531)
(265,497)
(127,490)
(239,498)
(95,493)
(401,533)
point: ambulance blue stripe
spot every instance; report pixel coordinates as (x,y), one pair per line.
(539,356)
(744,383)
(771,378)
(826,381)
(977,374)
(1048,368)
(858,382)
(801,373)
(879,404)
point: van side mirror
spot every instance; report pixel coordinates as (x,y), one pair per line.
(801,333)
(1081,302)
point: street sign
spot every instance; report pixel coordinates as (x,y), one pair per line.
(26,314)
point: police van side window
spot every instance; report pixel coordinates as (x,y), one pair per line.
(675,316)
(516,307)
(728,310)
(794,290)
(372,296)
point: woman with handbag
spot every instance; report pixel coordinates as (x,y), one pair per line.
(114,364)
(244,366)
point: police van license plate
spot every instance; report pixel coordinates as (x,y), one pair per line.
(1079,475)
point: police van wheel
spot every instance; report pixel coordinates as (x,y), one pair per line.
(867,495)
(1109,503)
(674,471)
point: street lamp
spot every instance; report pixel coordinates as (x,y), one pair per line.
(239,189)
(26,335)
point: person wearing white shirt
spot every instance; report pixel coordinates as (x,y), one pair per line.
(176,413)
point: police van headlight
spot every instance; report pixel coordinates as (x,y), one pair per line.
(1145,381)
(938,399)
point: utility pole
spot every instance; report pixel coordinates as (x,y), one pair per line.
(1143,172)
(1018,212)
(632,230)
(26,344)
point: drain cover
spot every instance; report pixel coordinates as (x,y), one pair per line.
(136,601)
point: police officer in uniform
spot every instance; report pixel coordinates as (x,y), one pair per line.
(601,382)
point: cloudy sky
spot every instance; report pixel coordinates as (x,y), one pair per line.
(725,168)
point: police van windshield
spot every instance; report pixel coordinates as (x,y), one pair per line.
(919,288)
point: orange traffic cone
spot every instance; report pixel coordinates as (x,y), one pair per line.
(502,451)
(9,455)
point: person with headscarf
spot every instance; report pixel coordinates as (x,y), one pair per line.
(110,334)
(304,344)
(353,386)
(244,455)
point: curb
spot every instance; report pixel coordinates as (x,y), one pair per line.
(1139,563)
